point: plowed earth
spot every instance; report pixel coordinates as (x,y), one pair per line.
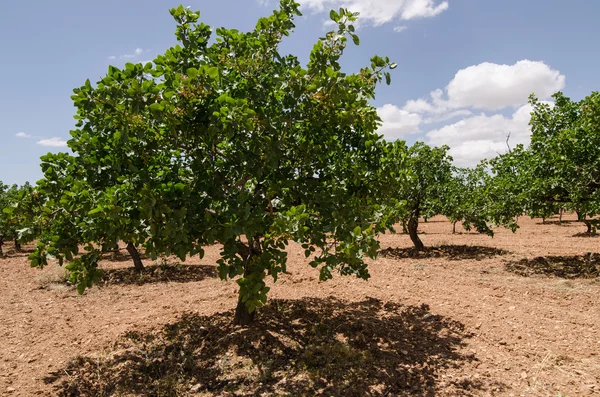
(513,315)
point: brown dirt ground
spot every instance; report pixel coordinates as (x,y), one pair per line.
(453,321)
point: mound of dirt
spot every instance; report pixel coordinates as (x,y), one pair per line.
(586,266)
(452,252)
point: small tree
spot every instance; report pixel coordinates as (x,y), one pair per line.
(4,203)
(472,197)
(19,209)
(233,143)
(424,194)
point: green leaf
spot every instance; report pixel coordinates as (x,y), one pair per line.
(156,107)
(213,72)
(333,15)
(192,72)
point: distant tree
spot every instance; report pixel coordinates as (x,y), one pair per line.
(472,197)
(19,210)
(561,166)
(430,171)
(229,142)
(4,203)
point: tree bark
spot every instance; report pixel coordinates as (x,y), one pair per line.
(589,227)
(560,214)
(135,256)
(413,224)
(242,316)
(17,245)
(454,227)
(1,244)
(115,253)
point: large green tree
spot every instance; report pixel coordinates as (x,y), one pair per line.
(228,141)
(561,166)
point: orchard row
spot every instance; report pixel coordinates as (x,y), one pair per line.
(229,142)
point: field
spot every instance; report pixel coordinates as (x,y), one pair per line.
(468,317)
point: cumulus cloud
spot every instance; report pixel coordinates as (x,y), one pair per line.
(472,134)
(491,86)
(22,135)
(53,142)
(135,54)
(397,123)
(477,137)
(378,12)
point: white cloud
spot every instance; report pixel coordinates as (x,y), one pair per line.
(378,12)
(136,53)
(22,135)
(477,137)
(397,123)
(485,86)
(400,28)
(492,86)
(438,118)
(54,142)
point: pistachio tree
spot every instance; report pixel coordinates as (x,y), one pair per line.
(4,203)
(561,166)
(430,172)
(476,198)
(229,141)
(19,211)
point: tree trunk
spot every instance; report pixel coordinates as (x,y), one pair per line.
(242,316)
(17,245)
(1,243)
(135,255)
(580,216)
(413,224)
(404,228)
(454,227)
(560,214)
(543,220)
(115,253)
(589,227)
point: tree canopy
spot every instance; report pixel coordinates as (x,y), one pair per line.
(561,166)
(225,141)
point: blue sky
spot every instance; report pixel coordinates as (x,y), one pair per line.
(465,67)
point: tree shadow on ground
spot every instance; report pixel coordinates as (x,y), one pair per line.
(586,235)
(584,266)
(307,347)
(452,252)
(566,222)
(121,255)
(158,274)
(11,252)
